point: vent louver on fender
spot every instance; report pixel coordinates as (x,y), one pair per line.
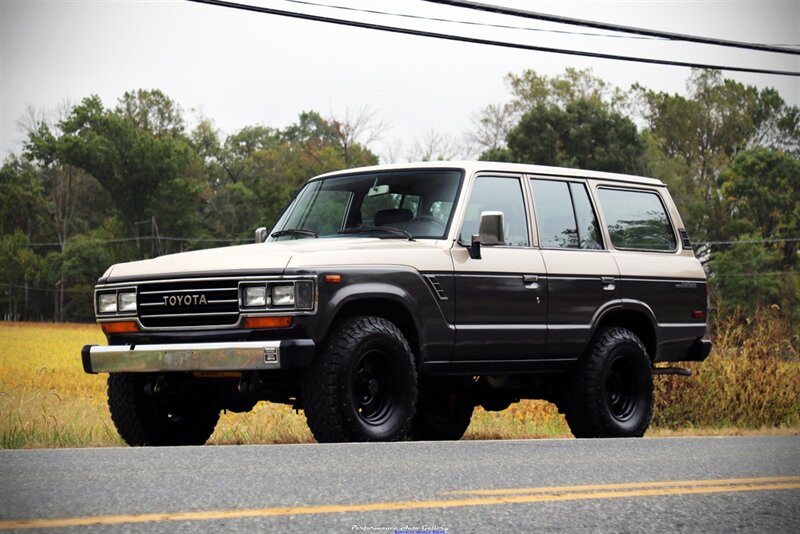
(436,286)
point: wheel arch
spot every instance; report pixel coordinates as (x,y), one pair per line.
(636,317)
(392,306)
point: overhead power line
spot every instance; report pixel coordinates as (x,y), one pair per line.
(469,22)
(612,27)
(488,42)
(751,241)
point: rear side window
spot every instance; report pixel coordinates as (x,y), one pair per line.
(565,216)
(637,220)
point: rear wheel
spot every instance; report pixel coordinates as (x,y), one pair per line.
(143,419)
(611,390)
(362,385)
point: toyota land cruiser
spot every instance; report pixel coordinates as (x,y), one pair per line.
(387,302)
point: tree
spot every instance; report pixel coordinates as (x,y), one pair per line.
(760,191)
(529,90)
(583,134)
(152,111)
(356,130)
(746,275)
(23,205)
(572,120)
(130,151)
(435,146)
(21,268)
(704,130)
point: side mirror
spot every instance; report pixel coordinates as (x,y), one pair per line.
(261,234)
(491,229)
(490,232)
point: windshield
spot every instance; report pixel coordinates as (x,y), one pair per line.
(397,204)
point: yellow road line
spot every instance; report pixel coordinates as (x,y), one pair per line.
(709,486)
(625,485)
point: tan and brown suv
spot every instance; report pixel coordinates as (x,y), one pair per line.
(387,302)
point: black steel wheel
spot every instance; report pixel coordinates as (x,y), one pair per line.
(373,387)
(611,390)
(142,419)
(362,386)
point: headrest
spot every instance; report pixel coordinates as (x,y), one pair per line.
(393,216)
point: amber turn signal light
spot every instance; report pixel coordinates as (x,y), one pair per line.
(268,322)
(122,327)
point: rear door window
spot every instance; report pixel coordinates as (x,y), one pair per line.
(564,215)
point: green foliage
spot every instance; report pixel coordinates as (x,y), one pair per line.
(760,190)
(122,152)
(531,89)
(583,134)
(573,120)
(22,202)
(746,275)
(21,268)
(702,131)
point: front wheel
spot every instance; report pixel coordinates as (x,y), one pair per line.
(611,391)
(143,419)
(362,385)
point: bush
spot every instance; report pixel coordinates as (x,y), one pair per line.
(751,379)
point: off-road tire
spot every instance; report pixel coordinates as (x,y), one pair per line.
(362,385)
(610,392)
(144,420)
(441,415)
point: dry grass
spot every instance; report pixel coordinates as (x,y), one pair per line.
(751,384)
(751,380)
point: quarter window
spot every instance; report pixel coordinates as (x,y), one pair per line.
(565,216)
(637,220)
(494,193)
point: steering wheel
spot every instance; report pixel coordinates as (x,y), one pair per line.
(427,219)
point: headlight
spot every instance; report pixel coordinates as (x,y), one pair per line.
(126,302)
(254,297)
(275,295)
(107,303)
(283,295)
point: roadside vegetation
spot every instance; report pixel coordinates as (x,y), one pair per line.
(750,384)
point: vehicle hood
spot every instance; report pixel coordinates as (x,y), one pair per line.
(278,256)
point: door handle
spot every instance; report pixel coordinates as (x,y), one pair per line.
(608,283)
(531,281)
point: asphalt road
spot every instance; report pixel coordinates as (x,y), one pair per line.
(677,484)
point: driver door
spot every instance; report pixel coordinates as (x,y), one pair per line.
(501,298)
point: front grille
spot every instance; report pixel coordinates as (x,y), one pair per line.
(189,303)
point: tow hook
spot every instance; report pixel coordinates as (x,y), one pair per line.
(672,371)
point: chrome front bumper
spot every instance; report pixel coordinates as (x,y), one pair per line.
(221,356)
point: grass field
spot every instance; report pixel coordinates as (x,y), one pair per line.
(46,400)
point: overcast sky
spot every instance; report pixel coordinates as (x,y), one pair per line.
(240,68)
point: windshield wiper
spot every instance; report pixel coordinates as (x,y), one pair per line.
(366,229)
(294,231)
